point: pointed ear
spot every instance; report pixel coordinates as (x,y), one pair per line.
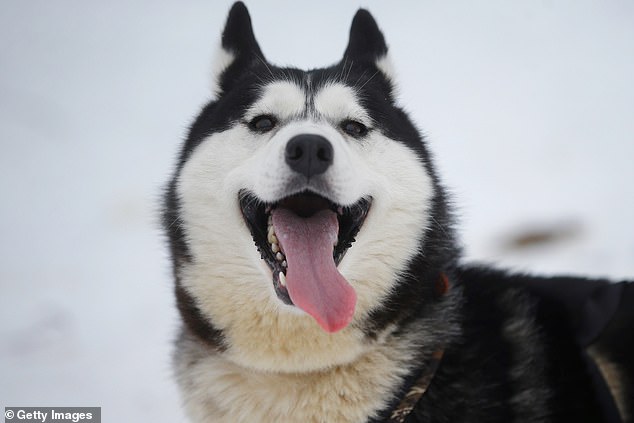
(239,49)
(366,41)
(367,44)
(238,36)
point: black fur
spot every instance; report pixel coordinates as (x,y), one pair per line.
(239,39)
(515,345)
(366,42)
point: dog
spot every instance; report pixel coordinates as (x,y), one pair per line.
(319,279)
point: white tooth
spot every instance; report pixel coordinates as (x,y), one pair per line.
(275,248)
(272,238)
(282,279)
(279,256)
(267,210)
(270,230)
(284,264)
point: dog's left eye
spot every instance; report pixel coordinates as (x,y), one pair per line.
(262,123)
(354,128)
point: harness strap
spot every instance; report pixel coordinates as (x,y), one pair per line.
(419,388)
(417,391)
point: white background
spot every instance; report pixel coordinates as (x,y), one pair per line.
(527,105)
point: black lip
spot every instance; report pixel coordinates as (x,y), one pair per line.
(256,212)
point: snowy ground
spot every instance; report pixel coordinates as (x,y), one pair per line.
(528,106)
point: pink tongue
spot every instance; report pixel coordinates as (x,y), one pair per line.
(312,279)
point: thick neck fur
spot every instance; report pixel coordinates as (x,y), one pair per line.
(216,389)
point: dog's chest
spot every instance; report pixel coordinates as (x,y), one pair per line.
(220,391)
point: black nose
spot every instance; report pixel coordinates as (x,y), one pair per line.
(309,154)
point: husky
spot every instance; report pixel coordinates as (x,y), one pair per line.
(319,277)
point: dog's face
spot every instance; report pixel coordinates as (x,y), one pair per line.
(300,199)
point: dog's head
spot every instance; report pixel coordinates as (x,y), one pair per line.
(301,200)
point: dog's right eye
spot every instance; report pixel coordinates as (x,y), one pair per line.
(262,123)
(354,128)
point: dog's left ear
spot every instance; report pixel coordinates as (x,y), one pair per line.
(239,49)
(367,44)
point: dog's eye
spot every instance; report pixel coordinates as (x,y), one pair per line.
(262,123)
(354,128)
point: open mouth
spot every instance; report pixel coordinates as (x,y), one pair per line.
(303,238)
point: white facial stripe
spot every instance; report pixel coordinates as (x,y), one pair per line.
(338,102)
(282,99)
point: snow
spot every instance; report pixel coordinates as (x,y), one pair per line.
(527,106)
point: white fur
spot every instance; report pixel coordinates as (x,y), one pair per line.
(283,99)
(221,61)
(217,390)
(337,102)
(294,363)
(343,183)
(386,66)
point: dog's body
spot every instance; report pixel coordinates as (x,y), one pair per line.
(317,272)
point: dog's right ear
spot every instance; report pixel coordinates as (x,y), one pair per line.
(366,45)
(238,51)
